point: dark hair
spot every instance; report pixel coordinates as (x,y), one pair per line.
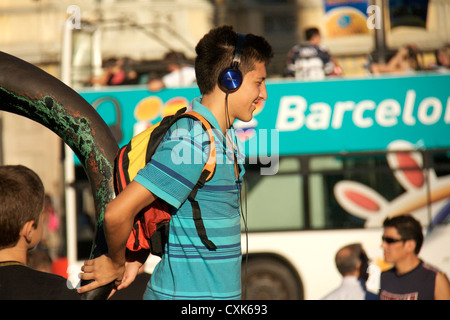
(21,200)
(215,52)
(311,32)
(174,57)
(408,228)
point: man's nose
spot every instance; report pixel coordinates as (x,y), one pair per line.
(263,92)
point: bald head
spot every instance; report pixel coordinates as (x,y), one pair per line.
(348,259)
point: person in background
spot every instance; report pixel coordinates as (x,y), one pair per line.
(310,60)
(180,73)
(410,278)
(116,72)
(442,56)
(405,60)
(21,220)
(352,263)
(51,240)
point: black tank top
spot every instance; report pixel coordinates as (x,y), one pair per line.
(418,284)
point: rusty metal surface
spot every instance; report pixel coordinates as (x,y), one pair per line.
(28,91)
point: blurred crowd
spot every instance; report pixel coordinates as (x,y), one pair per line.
(309,60)
(409,59)
(174,70)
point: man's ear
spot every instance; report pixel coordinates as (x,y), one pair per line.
(28,230)
(410,245)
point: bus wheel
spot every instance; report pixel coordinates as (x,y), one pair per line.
(269,279)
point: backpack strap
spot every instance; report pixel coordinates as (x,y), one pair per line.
(207,172)
(210,165)
(206,175)
(197,214)
(159,132)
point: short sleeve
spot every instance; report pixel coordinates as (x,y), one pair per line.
(177,163)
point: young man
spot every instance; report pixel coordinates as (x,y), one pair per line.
(410,278)
(189,269)
(21,207)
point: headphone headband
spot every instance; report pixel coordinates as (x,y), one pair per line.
(230,79)
(239,49)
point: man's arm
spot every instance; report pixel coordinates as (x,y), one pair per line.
(442,287)
(119,218)
(118,222)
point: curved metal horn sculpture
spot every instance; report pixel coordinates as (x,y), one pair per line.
(30,92)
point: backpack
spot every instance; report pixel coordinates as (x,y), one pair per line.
(151,225)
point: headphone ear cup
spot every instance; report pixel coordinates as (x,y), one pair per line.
(230,80)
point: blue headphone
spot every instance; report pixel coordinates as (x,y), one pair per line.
(230,79)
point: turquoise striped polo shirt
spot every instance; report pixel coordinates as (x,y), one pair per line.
(188,269)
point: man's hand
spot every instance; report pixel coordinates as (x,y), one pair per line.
(131,271)
(102,271)
(118,223)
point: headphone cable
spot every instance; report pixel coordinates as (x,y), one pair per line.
(243,213)
(244,218)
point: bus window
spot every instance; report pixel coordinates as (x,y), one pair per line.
(370,170)
(274,202)
(441,163)
(373,171)
(439,178)
(325,211)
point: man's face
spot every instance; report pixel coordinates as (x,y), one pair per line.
(242,103)
(393,251)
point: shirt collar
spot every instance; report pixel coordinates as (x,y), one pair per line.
(350,280)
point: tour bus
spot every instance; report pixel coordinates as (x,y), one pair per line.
(326,162)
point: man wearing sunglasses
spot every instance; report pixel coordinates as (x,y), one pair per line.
(410,278)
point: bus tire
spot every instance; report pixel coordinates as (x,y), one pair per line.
(270,279)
